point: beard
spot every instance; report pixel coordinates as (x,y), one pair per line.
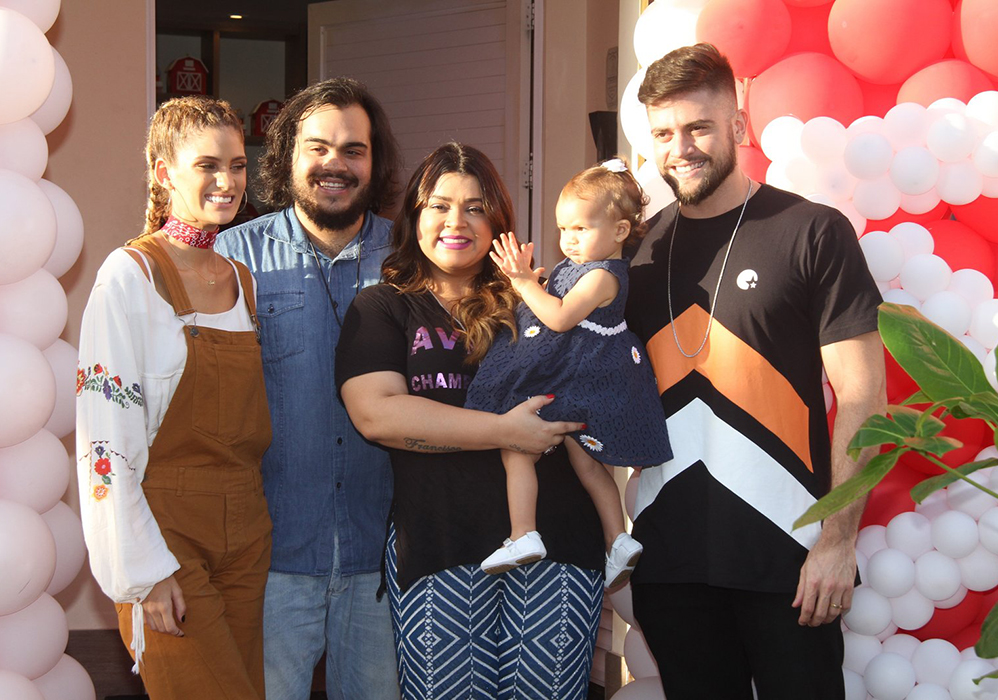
(324,217)
(715,172)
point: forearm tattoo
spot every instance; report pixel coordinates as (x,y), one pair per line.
(419,444)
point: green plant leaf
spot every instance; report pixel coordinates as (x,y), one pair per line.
(941,365)
(922,490)
(848,491)
(878,430)
(905,417)
(917,397)
(983,406)
(933,445)
(987,645)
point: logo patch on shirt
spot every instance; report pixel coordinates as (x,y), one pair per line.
(747,279)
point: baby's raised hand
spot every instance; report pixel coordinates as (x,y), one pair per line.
(514,259)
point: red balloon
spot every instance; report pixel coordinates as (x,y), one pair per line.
(809,29)
(950,78)
(972,432)
(988,600)
(978,21)
(891,496)
(980,215)
(753,163)
(885,41)
(901,216)
(878,99)
(899,385)
(806,85)
(961,247)
(967,637)
(807,3)
(753,34)
(947,622)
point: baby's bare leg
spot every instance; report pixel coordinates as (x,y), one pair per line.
(602,490)
(521,492)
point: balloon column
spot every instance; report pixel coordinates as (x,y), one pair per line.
(888,111)
(41,235)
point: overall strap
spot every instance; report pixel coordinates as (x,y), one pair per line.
(174,286)
(246,282)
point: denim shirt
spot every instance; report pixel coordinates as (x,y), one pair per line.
(326,486)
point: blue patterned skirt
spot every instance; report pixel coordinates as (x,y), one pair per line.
(528,633)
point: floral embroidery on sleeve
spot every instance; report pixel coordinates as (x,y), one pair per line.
(102,469)
(100,380)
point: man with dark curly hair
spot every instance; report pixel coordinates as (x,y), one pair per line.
(329,168)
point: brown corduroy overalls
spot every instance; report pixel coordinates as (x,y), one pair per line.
(204,487)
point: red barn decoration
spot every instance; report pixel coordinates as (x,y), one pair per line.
(187,76)
(262,115)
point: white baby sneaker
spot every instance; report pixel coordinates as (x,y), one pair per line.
(525,550)
(620,562)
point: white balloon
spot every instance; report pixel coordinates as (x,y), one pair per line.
(868,156)
(945,105)
(872,539)
(631,493)
(69,229)
(822,199)
(23,148)
(855,688)
(987,530)
(954,533)
(634,118)
(861,561)
(640,661)
(979,351)
(962,686)
(889,677)
(959,183)
(979,569)
(934,661)
(890,572)
(911,610)
(67,681)
(29,391)
(899,296)
(929,691)
(836,183)
(914,170)
(914,238)
(781,139)
(35,472)
(984,107)
(876,198)
(802,174)
(823,140)
(14,685)
(989,187)
(778,177)
(924,275)
(859,650)
(953,600)
(828,395)
(34,309)
(70,549)
(937,576)
(902,644)
(972,285)
(910,533)
(56,105)
(870,613)
(41,12)
(660,195)
(857,220)
(641,688)
(966,497)
(888,632)
(27,68)
(27,236)
(948,310)
(63,359)
(933,506)
(33,639)
(986,155)
(950,138)
(866,125)
(920,203)
(983,323)
(620,600)
(665,26)
(27,559)
(906,125)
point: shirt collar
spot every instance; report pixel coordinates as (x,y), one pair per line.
(293,232)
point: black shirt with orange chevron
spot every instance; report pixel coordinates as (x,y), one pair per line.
(746,415)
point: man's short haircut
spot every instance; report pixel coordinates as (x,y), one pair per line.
(685,70)
(275,163)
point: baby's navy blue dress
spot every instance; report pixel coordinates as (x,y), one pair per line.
(597,371)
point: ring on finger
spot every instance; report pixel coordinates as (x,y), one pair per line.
(836,606)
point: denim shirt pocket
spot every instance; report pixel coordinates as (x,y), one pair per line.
(282,321)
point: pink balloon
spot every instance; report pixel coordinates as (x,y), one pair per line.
(14,685)
(32,640)
(27,560)
(949,78)
(27,236)
(640,661)
(753,34)
(34,309)
(67,681)
(63,359)
(641,689)
(29,390)
(70,549)
(885,41)
(806,85)
(68,231)
(978,23)
(35,472)
(622,605)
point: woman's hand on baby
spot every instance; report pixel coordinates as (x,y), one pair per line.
(164,607)
(514,259)
(527,432)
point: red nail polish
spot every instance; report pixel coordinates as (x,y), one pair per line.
(584,426)
(550,396)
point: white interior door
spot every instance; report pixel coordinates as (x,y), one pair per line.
(443,69)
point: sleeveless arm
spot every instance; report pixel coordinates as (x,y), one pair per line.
(128,554)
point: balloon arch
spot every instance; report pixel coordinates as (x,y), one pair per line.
(888,111)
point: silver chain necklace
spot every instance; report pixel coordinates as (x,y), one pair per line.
(717,290)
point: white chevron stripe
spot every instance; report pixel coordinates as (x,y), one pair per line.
(698,434)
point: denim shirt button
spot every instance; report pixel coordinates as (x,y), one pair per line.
(339,441)
(339,484)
